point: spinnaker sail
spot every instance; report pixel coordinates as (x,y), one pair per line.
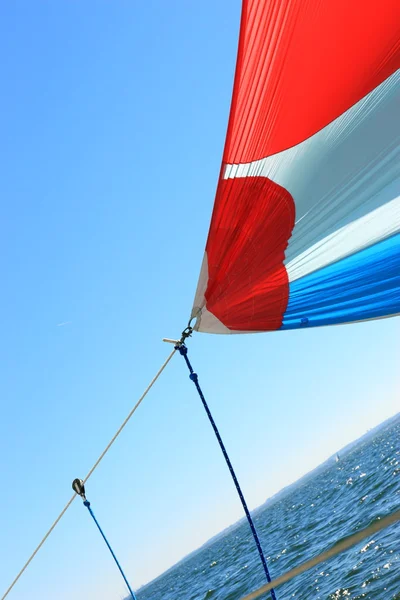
(305,229)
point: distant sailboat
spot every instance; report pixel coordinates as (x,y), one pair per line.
(337,458)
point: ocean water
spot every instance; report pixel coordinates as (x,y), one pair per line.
(339,499)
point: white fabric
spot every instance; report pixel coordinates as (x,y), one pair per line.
(339,176)
(373,227)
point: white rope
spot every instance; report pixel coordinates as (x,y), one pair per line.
(345,544)
(102,455)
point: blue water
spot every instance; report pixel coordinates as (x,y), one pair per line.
(337,500)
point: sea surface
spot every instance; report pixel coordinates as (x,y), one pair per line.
(335,501)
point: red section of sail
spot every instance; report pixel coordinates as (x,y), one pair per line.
(247,282)
(303,63)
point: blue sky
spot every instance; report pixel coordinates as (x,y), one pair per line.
(113,118)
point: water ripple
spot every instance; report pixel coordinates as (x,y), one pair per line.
(341,499)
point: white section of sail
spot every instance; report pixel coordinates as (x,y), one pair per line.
(339,175)
(377,225)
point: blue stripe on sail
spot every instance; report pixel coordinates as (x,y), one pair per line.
(365,285)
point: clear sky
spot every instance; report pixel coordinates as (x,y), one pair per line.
(113,118)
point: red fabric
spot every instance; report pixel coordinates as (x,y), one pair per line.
(248,284)
(303,63)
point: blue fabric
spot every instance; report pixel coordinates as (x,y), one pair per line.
(363,286)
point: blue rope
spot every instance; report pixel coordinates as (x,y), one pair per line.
(194,377)
(87,504)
